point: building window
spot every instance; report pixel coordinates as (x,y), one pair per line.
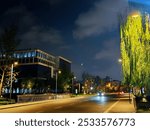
(25,55)
(21,55)
(37,54)
(33,54)
(23,61)
(18,55)
(15,55)
(27,60)
(29,54)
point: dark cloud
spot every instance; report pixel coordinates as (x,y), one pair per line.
(18,15)
(102,17)
(38,36)
(33,35)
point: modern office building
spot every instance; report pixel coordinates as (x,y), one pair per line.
(36,70)
(64,64)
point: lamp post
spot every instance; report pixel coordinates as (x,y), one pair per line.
(57,72)
(11,77)
(129,80)
(73,83)
(79,88)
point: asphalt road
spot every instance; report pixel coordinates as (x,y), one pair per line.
(85,104)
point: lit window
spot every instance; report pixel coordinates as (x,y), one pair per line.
(29,54)
(21,55)
(18,55)
(33,54)
(14,55)
(25,54)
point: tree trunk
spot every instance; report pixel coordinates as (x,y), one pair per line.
(1,83)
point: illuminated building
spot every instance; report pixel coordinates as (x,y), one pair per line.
(36,70)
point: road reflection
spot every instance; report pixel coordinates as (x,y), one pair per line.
(109,97)
(100,99)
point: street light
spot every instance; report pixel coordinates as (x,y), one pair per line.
(135,14)
(119,60)
(11,77)
(57,72)
(73,83)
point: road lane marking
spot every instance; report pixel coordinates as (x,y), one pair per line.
(111,107)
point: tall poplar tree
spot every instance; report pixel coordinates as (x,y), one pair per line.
(135,50)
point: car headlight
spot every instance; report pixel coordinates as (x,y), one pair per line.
(102,94)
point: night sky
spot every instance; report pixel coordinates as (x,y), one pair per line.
(83,31)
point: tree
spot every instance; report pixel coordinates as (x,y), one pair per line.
(8,44)
(135,52)
(65,81)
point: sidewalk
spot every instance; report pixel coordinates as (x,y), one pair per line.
(122,106)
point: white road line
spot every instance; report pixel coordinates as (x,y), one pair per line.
(111,107)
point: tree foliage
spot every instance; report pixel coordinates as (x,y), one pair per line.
(65,81)
(135,50)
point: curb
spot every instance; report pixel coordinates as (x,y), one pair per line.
(34,103)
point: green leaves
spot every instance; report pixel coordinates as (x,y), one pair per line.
(135,50)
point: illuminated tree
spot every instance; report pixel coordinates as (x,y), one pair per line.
(135,50)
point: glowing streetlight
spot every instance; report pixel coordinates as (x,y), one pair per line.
(57,72)
(82,64)
(73,83)
(135,14)
(119,60)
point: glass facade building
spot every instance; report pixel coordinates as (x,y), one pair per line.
(64,64)
(36,70)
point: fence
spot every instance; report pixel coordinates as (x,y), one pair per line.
(40,97)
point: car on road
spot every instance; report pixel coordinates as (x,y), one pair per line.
(100,93)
